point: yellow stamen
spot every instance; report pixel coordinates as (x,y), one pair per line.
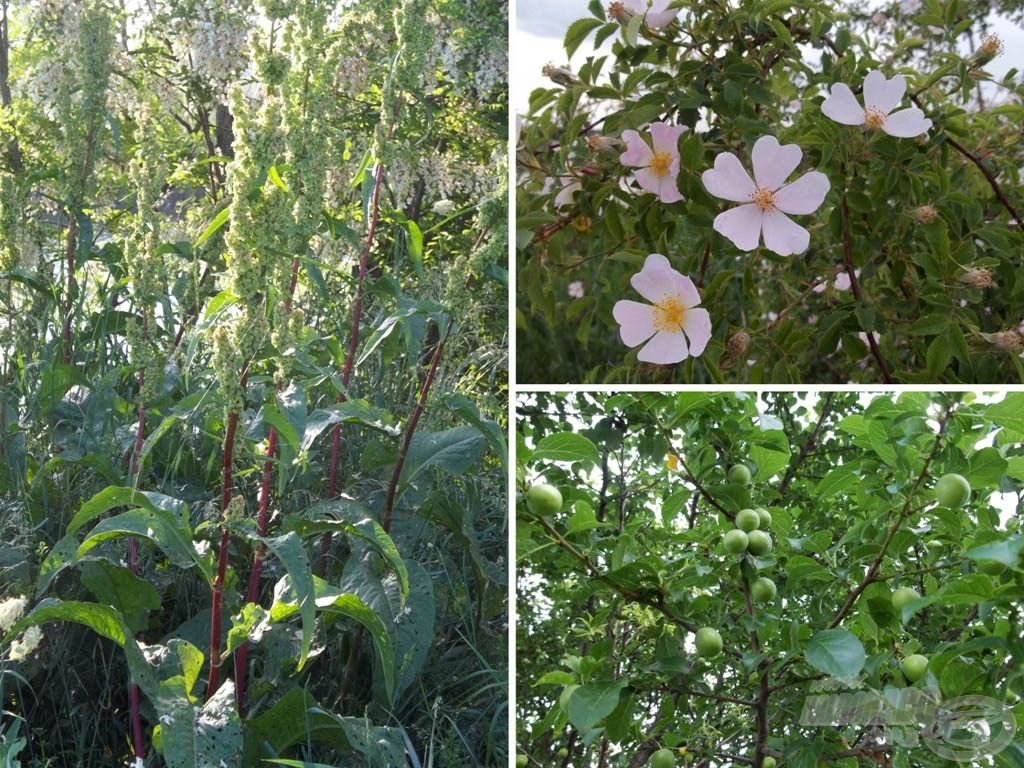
(874,117)
(764,197)
(668,315)
(660,163)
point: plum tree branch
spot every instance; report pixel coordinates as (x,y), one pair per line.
(872,572)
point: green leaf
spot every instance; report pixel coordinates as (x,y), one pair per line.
(163,528)
(1009,414)
(453,451)
(330,599)
(835,652)
(348,516)
(969,589)
(119,587)
(840,479)
(770,451)
(101,619)
(567,447)
(593,702)
(210,737)
(285,431)
(294,719)
(211,230)
(578,32)
(289,550)
(986,467)
(348,412)
(107,499)
(275,178)
(1006,552)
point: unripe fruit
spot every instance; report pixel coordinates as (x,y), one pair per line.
(766,520)
(522,761)
(663,758)
(768,762)
(708,641)
(903,596)
(991,567)
(762,589)
(759,543)
(747,520)
(739,474)
(735,541)
(543,499)
(563,753)
(952,490)
(914,667)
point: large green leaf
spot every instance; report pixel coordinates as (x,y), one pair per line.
(352,518)
(1009,414)
(104,620)
(452,451)
(190,736)
(163,528)
(289,550)
(593,702)
(119,587)
(110,497)
(567,447)
(351,411)
(294,719)
(835,652)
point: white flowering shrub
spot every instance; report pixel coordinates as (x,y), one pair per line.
(253,319)
(841,185)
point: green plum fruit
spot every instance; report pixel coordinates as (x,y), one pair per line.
(708,641)
(663,758)
(543,499)
(759,543)
(914,667)
(762,589)
(747,520)
(952,490)
(735,541)
(739,474)
(903,596)
(766,520)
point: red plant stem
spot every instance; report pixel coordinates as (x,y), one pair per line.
(262,518)
(69,299)
(410,428)
(217,598)
(353,346)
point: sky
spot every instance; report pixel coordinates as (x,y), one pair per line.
(540,26)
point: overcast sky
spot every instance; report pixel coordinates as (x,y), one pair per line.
(540,27)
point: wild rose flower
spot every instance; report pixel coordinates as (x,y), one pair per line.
(673,325)
(576,289)
(656,12)
(880,98)
(659,167)
(767,198)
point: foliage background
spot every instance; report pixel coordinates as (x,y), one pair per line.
(612,588)
(732,72)
(290,216)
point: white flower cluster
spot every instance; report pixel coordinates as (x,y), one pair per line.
(217,44)
(353,75)
(22,646)
(11,610)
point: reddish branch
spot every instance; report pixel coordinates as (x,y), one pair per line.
(353,345)
(217,602)
(262,518)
